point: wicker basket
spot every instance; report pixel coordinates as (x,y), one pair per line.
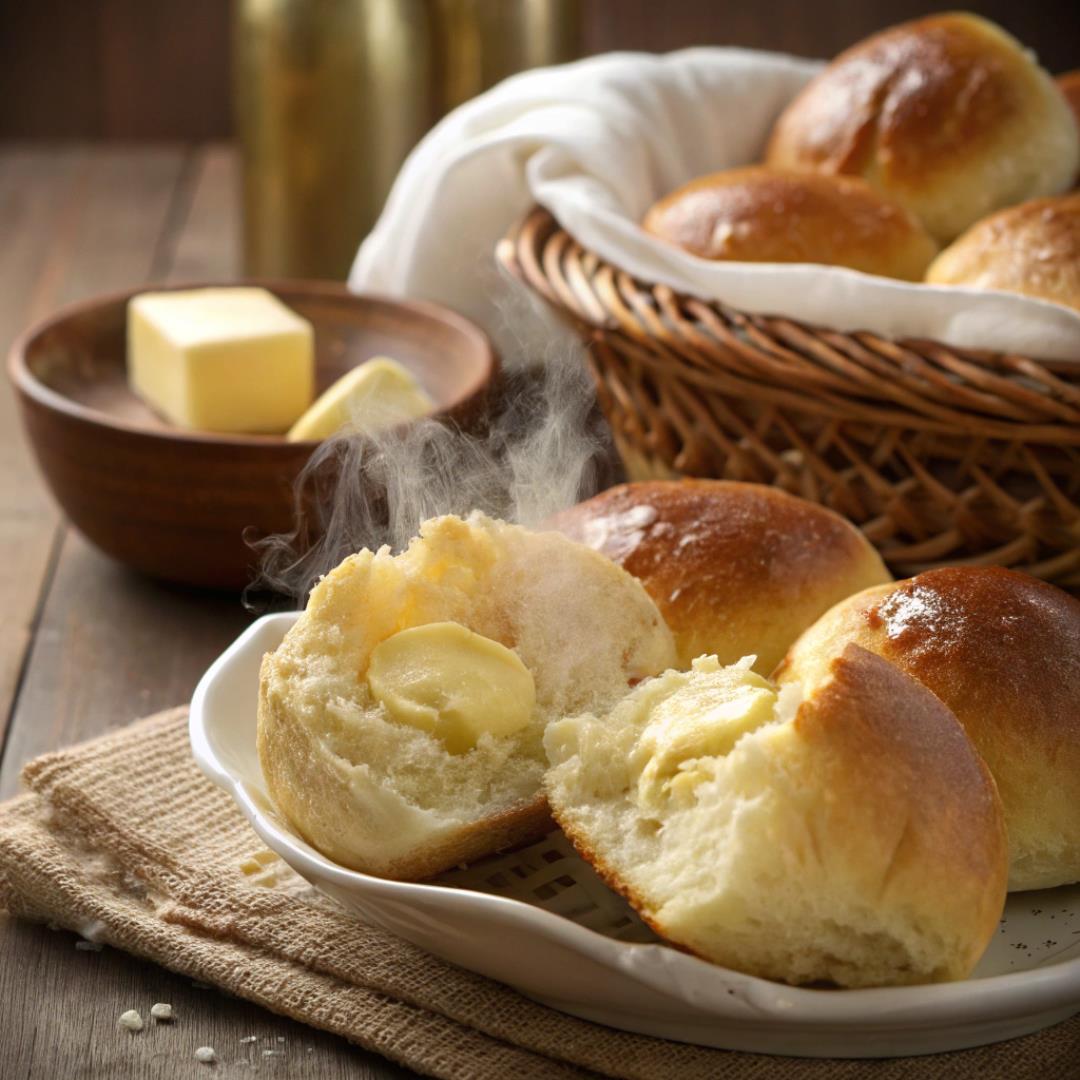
(941,455)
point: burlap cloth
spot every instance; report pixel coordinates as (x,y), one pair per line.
(125,839)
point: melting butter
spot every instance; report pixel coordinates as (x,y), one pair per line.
(370,398)
(704,717)
(458,685)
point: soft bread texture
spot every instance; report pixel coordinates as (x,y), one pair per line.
(389,798)
(761,215)
(1002,651)
(860,843)
(736,569)
(1033,248)
(949,115)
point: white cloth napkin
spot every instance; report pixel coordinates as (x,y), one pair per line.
(597,142)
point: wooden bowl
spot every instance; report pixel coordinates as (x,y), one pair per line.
(181,505)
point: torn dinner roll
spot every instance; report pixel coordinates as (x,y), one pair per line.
(401,720)
(855,838)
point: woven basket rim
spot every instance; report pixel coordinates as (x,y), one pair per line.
(910,382)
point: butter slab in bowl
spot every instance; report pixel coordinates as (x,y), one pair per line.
(178,504)
(578,948)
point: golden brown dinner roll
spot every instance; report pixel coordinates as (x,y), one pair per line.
(762,215)
(734,568)
(855,838)
(1033,248)
(401,720)
(1002,651)
(949,115)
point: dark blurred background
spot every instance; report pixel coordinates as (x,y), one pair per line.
(160,69)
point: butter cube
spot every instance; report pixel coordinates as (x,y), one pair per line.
(227,359)
(371,397)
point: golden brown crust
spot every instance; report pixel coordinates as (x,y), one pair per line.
(857,714)
(517,825)
(902,807)
(734,568)
(1033,249)
(763,215)
(1002,651)
(984,639)
(292,770)
(939,112)
(935,790)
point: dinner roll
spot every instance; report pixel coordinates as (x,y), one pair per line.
(401,719)
(1002,651)
(859,842)
(734,568)
(949,115)
(761,215)
(1033,248)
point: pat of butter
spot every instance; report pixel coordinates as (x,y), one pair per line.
(447,680)
(702,718)
(229,359)
(371,397)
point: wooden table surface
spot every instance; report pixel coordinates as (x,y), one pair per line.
(86,645)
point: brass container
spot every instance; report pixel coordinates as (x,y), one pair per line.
(331,95)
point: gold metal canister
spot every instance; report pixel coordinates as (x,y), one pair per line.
(331,95)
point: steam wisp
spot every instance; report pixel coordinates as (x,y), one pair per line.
(543,449)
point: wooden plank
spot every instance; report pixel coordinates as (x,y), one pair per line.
(111,646)
(35,188)
(110,230)
(164,68)
(206,246)
(59,1007)
(80,221)
(50,79)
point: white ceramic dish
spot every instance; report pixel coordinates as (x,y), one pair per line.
(545,925)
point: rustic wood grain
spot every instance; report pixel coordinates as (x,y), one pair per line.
(205,242)
(59,1007)
(33,186)
(110,646)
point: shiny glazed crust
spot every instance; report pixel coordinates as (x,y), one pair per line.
(761,215)
(948,114)
(1033,248)
(734,568)
(1002,651)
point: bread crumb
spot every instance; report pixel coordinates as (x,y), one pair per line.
(249,1039)
(206,1055)
(130,1021)
(161,1011)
